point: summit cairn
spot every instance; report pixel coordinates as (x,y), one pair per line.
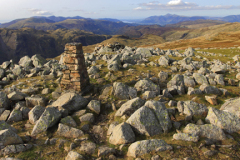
(75,77)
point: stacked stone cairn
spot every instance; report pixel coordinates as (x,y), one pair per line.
(75,77)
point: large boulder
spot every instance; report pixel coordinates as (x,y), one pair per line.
(161,113)
(95,106)
(232,106)
(151,119)
(38,61)
(206,89)
(35,114)
(140,148)
(208,130)
(122,91)
(185,137)
(177,80)
(200,79)
(69,132)
(70,102)
(122,134)
(49,118)
(164,61)
(4,102)
(191,108)
(15,116)
(189,82)
(8,137)
(144,52)
(17,96)
(130,107)
(147,85)
(163,76)
(36,100)
(227,121)
(219,69)
(25,62)
(72,155)
(144,122)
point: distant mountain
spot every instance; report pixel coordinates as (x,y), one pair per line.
(58,19)
(232,18)
(96,26)
(109,19)
(173,19)
(15,44)
(169,19)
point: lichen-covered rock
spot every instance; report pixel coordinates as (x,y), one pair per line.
(210,89)
(149,95)
(17,96)
(10,149)
(163,76)
(122,91)
(69,132)
(208,130)
(104,150)
(94,106)
(227,121)
(93,70)
(192,108)
(186,137)
(4,125)
(15,116)
(88,147)
(219,69)
(164,61)
(177,80)
(161,113)
(8,137)
(4,102)
(38,61)
(140,148)
(122,134)
(68,121)
(189,82)
(111,127)
(71,102)
(144,52)
(89,117)
(147,85)
(72,155)
(2,73)
(200,79)
(35,114)
(144,122)
(232,106)
(50,117)
(36,100)
(220,79)
(130,106)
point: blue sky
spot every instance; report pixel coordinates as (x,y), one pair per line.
(120,9)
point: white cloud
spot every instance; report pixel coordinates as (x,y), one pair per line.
(180,5)
(39,12)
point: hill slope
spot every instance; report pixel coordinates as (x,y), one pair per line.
(15,44)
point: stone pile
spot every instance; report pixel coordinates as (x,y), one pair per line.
(75,77)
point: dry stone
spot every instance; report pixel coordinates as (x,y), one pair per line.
(69,132)
(70,102)
(122,134)
(50,117)
(140,148)
(8,137)
(76,76)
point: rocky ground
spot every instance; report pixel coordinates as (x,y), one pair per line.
(144,103)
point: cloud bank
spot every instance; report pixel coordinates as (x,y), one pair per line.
(39,12)
(179,5)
